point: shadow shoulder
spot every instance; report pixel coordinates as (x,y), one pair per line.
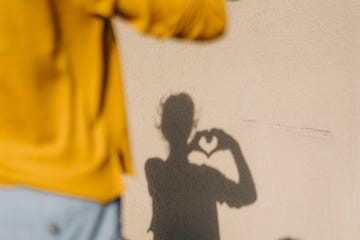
(154,162)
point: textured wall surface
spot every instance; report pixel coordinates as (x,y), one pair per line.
(284,82)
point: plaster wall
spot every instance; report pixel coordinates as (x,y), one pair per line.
(284,82)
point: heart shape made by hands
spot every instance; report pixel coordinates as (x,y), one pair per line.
(208,144)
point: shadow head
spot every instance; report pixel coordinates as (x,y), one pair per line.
(177,118)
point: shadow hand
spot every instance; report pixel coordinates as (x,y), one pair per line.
(225,141)
(195,142)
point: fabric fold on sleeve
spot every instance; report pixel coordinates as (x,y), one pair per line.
(102,8)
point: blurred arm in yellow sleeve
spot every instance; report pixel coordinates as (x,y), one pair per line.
(191,19)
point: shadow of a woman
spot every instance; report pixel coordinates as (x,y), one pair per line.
(184,195)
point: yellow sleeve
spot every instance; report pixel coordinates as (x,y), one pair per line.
(191,19)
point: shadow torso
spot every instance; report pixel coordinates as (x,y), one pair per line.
(184,200)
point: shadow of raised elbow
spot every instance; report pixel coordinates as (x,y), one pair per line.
(250,198)
(242,200)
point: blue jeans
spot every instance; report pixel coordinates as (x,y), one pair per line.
(30,214)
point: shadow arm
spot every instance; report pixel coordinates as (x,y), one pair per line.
(242,192)
(245,188)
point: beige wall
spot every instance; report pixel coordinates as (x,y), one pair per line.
(287,65)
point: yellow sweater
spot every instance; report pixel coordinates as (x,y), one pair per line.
(62,115)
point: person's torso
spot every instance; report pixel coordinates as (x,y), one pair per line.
(62,115)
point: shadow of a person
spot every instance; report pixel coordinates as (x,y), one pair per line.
(184,195)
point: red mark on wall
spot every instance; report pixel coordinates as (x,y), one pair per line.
(249,122)
(307,131)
